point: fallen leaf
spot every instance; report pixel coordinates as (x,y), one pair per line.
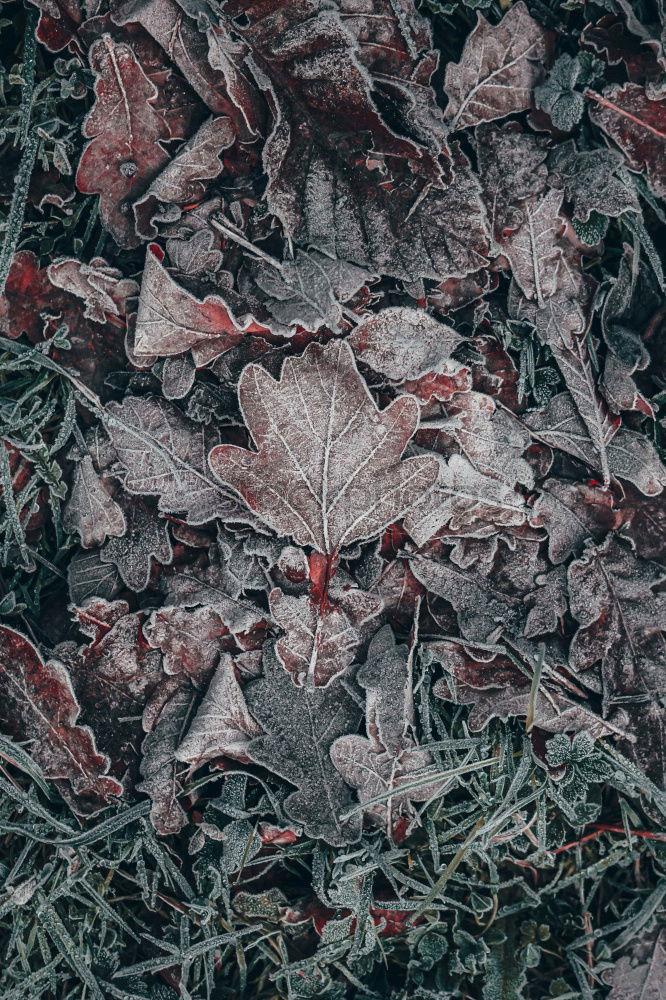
(90,509)
(164,722)
(170,320)
(640,973)
(620,620)
(184,180)
(38,704)
(125,132)
(322,635)
(351,484)
(498,70)
(403,343)
(222,727)
(638,126)
(301,724)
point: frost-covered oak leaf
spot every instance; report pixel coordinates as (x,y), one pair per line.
(301,723)
(403,343)
(321,636)
(328,469)
(90,509)
(126,131)
(37,703)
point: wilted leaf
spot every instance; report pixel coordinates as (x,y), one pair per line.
(374,773)
(113,674)
(512,169)
(630,455)
(146,537)
(163,453)
(90,508)
(593,180)
(403,343)
(642,972)
(571,513)
(165,723)
(184,179)
(102,288)
(300,724)
(486,435)
(636,124)
(170,320)
(213,64)
(483,611)
(88,576)
(467,502)
(125,151)
(496,688)
(328,469)
(322,633)
(620,618)
(498,70)
(309,290)
(533,249)
(222,727)
(38,704)
(192,640)
(547,602)
(386,677)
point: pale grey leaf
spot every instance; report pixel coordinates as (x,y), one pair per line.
(300,724)
(498,70)
(328,469)
(403,343)
(146,537)
(222,727)
(90,510)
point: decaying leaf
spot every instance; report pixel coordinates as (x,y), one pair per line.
(90,509)
(170,320)
(321,635)
(145,538)
(162,453)
(630,455)
(309,290)
(403,343)
(533,248)
(301,724)
(184,179)
(467,502)
(642,972)
(125,132)
(483,611)
(512,169)
(498,70)
(637,125)
(222,727)
(571,513)
(165,721)
(103,288)
(621,620)
(387,761)
(38,704)
(496,688)
(593,181)
(328,469)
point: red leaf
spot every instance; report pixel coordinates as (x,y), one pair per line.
(38,704)
(638,126)
(125,129)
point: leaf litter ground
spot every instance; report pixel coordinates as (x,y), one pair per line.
(332,520)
